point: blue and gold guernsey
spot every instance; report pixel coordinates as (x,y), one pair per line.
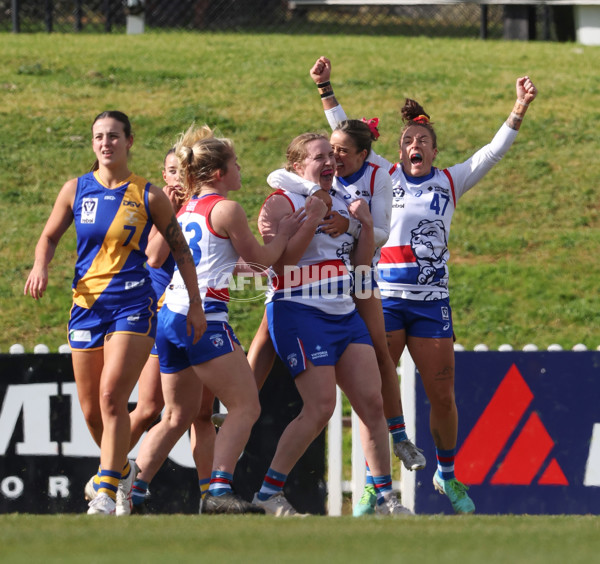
(161,278)
(112,228)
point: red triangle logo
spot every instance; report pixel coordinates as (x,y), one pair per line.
(524,460)
(497,423)
(553,475)
(481,449)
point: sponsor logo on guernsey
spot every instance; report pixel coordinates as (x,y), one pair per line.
(130,284)
(89,207)
(292,360)
(217,340)
(131,204)
(80,336)
(133,318)
(439,189)
(109,197)
(399,192)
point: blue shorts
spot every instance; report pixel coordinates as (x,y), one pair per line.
(303,334)
(175,349)
(88,327)
(418,318)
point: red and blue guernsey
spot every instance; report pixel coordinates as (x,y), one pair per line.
(112,226)
(414,261)
(214,257)
(321,278)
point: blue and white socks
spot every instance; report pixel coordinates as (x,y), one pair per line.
(272,484)
(445,463)
(397,428)
(220,483)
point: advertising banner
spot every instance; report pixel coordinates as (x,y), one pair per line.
(47,454)
(529,433)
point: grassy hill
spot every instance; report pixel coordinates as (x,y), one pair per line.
(524,242)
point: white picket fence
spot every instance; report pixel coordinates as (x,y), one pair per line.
(336,486)
(41,348)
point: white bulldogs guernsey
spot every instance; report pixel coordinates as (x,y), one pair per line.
(371,183)
(321,278)
(215,259)
(413,263)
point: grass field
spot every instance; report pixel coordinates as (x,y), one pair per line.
(524,242)
(449,540)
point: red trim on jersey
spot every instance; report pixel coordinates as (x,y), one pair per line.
(221,294)
(203,206)
(310,273)
(375,168)
(277,193)
(393,168)
(449,176)
(397,255)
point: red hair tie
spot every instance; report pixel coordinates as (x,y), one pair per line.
(421,119)
(372,123)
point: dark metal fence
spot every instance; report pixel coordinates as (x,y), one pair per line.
(280,16)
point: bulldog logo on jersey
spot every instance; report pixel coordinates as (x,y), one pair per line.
(430,247)
(292,360)
(89,206)
(344,251)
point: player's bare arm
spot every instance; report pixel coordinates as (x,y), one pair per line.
(59,221)
(526,93)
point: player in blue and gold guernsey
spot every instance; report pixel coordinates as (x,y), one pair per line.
(150,402)
(113,318)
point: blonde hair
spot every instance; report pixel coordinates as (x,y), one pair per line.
(297,152)
(200,155)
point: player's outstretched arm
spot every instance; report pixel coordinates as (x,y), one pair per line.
(526,93)
(321,75)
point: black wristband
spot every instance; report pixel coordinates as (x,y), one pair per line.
(323,84)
